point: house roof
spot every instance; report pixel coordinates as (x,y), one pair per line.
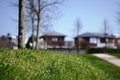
(53,33)
(99,35)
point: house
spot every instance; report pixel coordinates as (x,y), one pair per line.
(53,39)
(3,41)
(98,40)
(68,44)
(8,42)
(42,44)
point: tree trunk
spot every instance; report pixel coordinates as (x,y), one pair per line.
(38,31)
(78,44)
(38,23)
(21,25)
(32,15)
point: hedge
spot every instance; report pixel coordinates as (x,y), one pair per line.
(103,50)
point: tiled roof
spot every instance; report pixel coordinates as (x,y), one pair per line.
(53,33)
(92,34)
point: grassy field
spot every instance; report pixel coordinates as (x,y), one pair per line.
(116,54)
(47,65)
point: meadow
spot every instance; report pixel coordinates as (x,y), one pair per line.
(24,64)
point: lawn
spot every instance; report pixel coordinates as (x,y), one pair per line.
(116,54)
(47,65)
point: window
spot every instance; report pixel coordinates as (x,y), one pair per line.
(105,40)
(55,39)
(93,40)
(102,40)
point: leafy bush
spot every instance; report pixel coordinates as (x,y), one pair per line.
(27,64)
(103,50)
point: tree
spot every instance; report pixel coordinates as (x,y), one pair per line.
(77,29)
(106,27)
(43,8)
(40,11)
(31,15)
(106,30)
(118,18)
(21,24)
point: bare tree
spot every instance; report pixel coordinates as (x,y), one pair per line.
(39,12)
(21,24)
(106,30)
(43,8)
(31,15)
(78,27)
(32,18)
(106,27)
(118,18)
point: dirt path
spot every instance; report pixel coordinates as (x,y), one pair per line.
(109,58)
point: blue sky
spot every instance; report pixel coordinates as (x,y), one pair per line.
(90,12)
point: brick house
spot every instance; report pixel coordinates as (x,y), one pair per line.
(98,40)
(54,39)
(6,43)
(3,42)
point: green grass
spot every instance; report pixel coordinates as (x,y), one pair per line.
(47,65)
(116,54)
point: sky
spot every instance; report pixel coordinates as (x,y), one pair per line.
(91,14)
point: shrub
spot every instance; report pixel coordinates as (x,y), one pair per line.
(103,50)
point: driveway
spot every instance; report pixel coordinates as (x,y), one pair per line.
(109,58)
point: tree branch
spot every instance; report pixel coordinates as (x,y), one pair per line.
(49,4)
